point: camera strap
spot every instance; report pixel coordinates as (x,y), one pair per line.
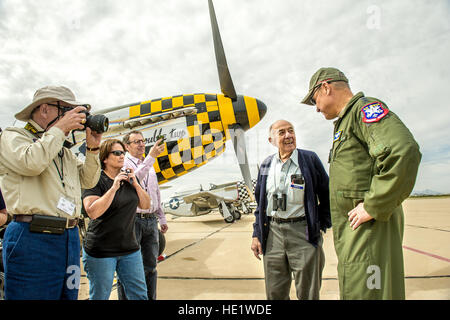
(277,185)
(60,173)
(33,130)
(145,180)
(36,133)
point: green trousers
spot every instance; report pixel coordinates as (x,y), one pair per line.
(289,254)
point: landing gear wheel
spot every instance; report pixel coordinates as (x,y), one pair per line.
(230,219)
(234,211)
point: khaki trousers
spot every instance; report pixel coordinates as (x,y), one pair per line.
(288,253)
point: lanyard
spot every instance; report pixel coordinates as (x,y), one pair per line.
(277,186)
(145,180)
(35,132)
(60,173)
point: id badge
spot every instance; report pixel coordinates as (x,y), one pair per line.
(66,205)
(297,179)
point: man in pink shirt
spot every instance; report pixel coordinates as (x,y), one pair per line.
(146,222)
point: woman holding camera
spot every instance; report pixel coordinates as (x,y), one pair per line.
(110,244)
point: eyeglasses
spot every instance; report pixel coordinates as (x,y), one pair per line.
(117,153)
(141,141)
(60,107)
(318,87)
(65,108)
(314,92)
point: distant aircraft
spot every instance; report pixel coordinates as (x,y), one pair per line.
(195,126)
(232,199)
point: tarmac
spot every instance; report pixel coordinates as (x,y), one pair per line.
(209,259)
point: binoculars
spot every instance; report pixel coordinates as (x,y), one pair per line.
(279,203)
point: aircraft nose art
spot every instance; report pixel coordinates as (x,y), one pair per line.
(245,111)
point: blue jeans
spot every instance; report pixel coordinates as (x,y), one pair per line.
(130,271)
(41,266)
(147,235)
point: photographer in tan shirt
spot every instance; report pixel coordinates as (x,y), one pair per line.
(41,181)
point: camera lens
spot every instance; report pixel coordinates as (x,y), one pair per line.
(98,122)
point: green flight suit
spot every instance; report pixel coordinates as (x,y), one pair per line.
(375,163)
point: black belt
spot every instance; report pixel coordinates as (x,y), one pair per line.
(146,215)
(28,218)
(289,220)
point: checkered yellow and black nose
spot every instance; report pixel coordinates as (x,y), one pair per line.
(208,130)
(207,118)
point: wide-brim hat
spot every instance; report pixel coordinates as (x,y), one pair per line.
(49,94)
(320,76)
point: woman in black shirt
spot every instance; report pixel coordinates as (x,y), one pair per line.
(110,244)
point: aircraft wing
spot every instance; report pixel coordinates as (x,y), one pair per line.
(203,197)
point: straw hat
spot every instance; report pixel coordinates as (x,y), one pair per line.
(48,94)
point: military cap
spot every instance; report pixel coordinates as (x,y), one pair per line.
(322,75)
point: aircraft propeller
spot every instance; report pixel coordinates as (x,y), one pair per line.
(226,84)
(238,137)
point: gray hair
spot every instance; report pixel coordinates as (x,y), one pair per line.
(126,138)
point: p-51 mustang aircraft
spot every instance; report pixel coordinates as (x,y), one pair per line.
(233,199)
(195,126)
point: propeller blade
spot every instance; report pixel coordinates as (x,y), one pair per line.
(238,138)
(226,84)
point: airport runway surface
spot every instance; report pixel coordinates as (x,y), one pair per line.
(208,259)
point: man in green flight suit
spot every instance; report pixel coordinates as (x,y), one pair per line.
(373,166)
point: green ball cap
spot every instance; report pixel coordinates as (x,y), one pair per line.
(322,75)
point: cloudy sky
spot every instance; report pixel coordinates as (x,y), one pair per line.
(114,52)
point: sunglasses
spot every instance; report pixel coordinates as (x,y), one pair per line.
(314,92)
(118,153)
(318,86)
(64,109)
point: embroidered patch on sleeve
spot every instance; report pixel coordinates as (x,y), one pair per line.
(374,112)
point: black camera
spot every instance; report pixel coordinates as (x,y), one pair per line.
(99,123)
(127,172)
(279,203)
